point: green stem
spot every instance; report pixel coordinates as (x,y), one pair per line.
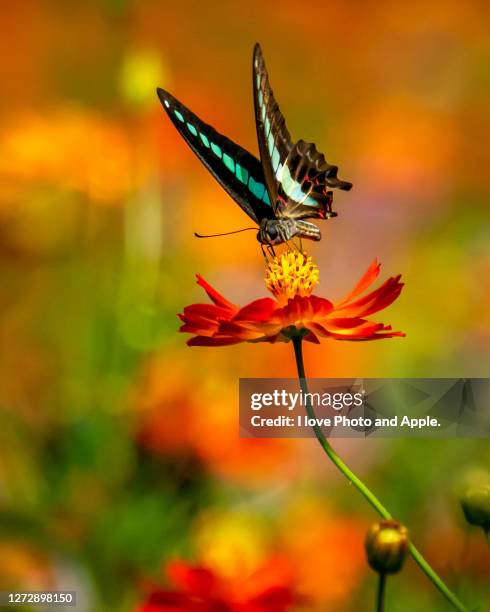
(361,487)
(380,596)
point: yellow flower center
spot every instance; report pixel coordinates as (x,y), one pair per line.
(292,273)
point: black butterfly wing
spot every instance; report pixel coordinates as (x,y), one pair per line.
(306,183)
(237,171)
(272,134)
(298,177)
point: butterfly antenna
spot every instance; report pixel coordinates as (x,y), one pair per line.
(246,229)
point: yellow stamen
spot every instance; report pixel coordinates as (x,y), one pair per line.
(292,273)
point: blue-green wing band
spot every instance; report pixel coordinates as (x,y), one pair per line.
(237,171)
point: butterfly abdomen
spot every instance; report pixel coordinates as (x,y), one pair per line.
(308,230)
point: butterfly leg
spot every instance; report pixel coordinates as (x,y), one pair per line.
(268,252)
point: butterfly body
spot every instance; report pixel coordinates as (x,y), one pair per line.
(276,231)
(292,182)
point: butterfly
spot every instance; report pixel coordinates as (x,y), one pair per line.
(291,183)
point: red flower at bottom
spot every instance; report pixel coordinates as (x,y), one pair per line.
(291,278)
(198,589)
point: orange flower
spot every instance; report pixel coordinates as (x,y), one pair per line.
(202,590)
(68,148)
(291,278)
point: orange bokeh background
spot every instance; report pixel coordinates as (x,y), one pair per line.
(119,445)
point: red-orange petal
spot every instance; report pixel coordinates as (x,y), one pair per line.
(207,311)
(372,302)
(366,281)
(258,310)
(212,341)
(216,297)
(321,306)
(243,331)
(198,581)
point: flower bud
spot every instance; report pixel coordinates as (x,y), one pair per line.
(476,506)
(386,546)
